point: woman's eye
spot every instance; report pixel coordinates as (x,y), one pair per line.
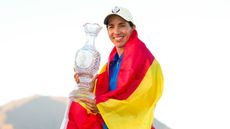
(110,27)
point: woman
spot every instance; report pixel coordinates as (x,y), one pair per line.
(128,86)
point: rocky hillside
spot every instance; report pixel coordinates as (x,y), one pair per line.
(38,112)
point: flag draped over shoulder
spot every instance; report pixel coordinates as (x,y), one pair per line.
(139,87)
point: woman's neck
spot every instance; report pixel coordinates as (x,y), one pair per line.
(120,51)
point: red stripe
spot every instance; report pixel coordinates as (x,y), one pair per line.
(80,119)
(136,60)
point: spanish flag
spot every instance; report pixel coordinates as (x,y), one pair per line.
(138,89)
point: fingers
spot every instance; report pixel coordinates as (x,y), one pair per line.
(76,77)
(90,103)
(94,78)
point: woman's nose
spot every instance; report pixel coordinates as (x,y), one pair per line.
(116,30)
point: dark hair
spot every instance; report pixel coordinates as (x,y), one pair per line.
(130,23)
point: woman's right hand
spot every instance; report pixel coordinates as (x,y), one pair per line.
(76,77)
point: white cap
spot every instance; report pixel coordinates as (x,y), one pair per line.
(119,11)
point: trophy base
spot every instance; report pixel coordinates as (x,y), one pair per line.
(79,93)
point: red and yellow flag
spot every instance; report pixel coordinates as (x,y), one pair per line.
(139,87)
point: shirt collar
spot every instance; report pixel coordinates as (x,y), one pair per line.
(117,57)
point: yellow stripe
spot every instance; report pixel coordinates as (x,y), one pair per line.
(103,68)
(136,112)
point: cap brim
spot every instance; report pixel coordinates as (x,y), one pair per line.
(106,21)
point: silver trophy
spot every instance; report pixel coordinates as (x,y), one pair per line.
(87,61)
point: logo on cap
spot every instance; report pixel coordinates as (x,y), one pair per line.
(115,10)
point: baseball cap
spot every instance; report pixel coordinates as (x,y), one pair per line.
(119,11)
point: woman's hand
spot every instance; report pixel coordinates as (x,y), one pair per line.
(76,77)
(90,104)
(93,81)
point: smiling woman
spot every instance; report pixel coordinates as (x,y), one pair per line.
(119,32)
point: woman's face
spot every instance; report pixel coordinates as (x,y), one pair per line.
(119,31)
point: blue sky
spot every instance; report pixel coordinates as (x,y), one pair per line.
(39,39)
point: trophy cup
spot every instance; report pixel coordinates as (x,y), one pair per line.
(87,61)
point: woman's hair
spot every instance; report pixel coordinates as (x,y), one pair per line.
(130,23)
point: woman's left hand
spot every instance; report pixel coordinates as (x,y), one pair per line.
(90,103)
